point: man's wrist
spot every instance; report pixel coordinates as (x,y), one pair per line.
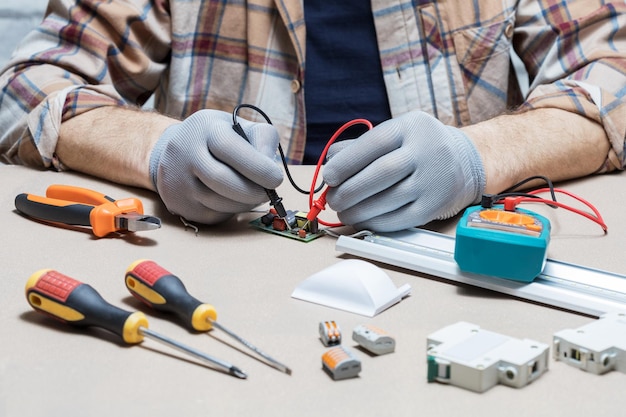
(551,142)
(112,143)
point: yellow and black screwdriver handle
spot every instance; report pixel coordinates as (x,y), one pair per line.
(79,207)
(79,304)
(163,291)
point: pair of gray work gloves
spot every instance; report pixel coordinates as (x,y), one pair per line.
(405,172)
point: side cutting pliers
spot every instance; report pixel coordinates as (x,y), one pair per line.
(78,206)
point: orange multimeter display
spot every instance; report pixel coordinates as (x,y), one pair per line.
(510,221)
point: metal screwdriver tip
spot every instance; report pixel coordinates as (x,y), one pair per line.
(232,369)
(271,361)
(237,372)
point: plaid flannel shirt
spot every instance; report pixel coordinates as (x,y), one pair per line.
(450,58)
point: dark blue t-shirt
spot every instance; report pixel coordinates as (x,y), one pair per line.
(343,75)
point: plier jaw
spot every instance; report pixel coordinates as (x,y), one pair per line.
(136,222)
(83,207)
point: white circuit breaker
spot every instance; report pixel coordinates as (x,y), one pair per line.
(597,347)
(469,357)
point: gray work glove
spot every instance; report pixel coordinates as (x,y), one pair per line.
(205,172)
(404,172)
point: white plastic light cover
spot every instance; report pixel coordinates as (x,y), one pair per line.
(352,285)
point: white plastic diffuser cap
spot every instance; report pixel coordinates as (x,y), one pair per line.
(352,285)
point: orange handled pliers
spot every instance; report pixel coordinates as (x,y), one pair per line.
(83,207)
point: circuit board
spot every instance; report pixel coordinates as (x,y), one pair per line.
(301,229)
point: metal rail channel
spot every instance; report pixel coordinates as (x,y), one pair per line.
(564,285)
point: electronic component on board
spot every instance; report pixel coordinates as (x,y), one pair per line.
(340,363)
(502,243)
(373,339)
(597,347)
(469,357)
(294,225)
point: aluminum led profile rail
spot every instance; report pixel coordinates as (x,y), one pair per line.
(572,287)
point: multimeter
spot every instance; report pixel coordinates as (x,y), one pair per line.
(509,244)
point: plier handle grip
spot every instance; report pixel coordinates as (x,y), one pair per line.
(84,207)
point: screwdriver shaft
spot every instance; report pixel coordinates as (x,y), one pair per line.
(233,370)
(164,291)
(250,346)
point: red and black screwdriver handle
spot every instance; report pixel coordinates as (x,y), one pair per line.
(160,289)
(78,304)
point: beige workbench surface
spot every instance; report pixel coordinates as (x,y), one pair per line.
(49,369)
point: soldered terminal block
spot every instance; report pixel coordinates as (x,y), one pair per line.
(330,333)
(373,339)
(300,227)
(597,347)
(340,363)
(464,355)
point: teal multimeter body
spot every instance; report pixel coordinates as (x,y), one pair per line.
(505,244)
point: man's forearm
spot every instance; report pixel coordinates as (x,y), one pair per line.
(551,142)
(112,143)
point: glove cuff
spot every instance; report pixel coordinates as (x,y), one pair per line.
(474,163)
(471,164)
(157,151)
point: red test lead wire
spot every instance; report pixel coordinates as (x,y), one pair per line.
(316,206)
(511,202)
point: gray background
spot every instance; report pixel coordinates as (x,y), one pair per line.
(17,18)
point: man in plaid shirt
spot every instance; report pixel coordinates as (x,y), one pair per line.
(434,77)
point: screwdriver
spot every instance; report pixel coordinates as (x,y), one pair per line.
(163,291)
(79,304)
